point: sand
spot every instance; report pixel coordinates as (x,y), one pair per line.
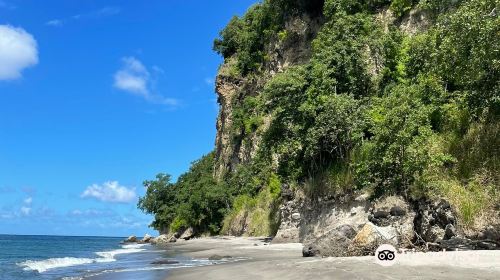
(285,261)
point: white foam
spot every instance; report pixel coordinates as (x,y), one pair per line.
(133,246)
(106,256)
(42,266)
(110,255)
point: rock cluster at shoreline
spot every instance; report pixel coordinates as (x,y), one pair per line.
(356,225)
(145,240)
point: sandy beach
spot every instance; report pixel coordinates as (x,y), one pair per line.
(284,261)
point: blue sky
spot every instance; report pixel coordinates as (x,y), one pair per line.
(95,98)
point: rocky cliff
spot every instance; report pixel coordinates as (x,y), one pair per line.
(295,49)
(354,223)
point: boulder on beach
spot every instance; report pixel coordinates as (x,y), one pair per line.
(164,239)
(187,234)
(131,239)
(310,251)
(147,238)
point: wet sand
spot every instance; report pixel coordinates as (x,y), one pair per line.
(285,261)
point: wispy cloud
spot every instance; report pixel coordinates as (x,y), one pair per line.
(110,191)
(54,22)
(95,14)
(18,51)
(135,78)
(26,208)
(91,213)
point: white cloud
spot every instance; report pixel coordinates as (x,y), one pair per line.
(95,14)
(18,50)
(28,200)
(110,192)
(25,210)
(92,213)
(135,78)
(54,22)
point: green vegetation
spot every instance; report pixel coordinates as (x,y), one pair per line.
(195,200)
(374,108)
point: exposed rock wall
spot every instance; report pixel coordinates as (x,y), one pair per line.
(295,49)
(357,225)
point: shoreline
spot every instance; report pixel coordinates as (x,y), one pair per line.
(245,258)
(285,261)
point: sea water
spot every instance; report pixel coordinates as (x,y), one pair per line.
(68,258)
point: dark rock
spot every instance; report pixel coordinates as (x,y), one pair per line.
(310,251)
(165,262)
(347,231)
(457,243)
(187,234)
(486,245)
(380,214)
(491,233)
(432,219)
(433,246)
(397,211)
(218,258)
(286,192)
(434,233)
(268,239)
(373,220)
(449,231)
(443,204)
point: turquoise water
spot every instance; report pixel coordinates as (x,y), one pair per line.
(68,258)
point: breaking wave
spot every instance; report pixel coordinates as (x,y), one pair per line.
(53,263)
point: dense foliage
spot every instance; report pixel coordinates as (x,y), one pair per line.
(375,108)
(195,200)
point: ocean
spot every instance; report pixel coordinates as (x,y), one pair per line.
(72,258)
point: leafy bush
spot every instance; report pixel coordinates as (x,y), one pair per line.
(195,200)
(399,7)
(258,214)
(400,127)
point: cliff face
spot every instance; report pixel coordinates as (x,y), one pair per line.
(295,49)
(353,222)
